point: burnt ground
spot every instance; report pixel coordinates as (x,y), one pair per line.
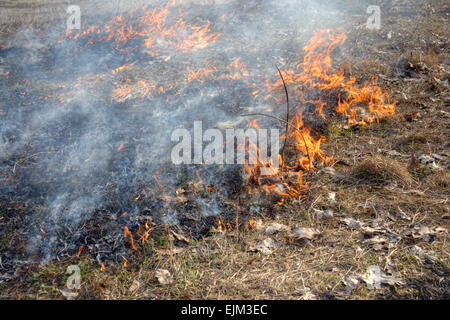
(384,203)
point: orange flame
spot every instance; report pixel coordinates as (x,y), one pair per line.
(153,29)
(80,250)
(127,233)
(359,104)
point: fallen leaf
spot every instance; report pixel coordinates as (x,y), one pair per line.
(305,233)
(164,277)
(352,281)
(68,295)
(323,214)
(402,215)
(135,285)
(264,246)
(332,196)
(179,237)
(374,278)
(426,233)
(370,232)
(377,242)
(274,228)
(306,294)
(351,222)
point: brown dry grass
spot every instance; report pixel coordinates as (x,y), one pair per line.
(221,267)
(382,170)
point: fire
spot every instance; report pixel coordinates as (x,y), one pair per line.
(307,144)
(219,225)
(237,70)
(143,235)
(140,88)
(123,67)
(251,223)
(127,233)
(155,28)
(314,82)
(360,104)
(80,250)
(201,73)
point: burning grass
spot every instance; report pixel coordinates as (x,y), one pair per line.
(153,223)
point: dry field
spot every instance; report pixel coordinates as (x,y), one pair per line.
(384,203)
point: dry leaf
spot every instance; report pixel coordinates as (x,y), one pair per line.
(352,281)
(180,237)
(377,242)
(305,233)
(68,294)
(135,285)
(370,232)
(264,246)
(306,294)
(351,222)
(323,214)
(426,233)
(274,228)
(164,277)
(374,278)
(332,196)
(402,215)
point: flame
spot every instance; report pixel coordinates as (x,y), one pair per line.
(153,28)
(145,235)
(102,268)
(219,225)
(140,88)
(127,233)
(360,104)
(251,223)
(123,67)
(201,73)
(80,250)
(236,70)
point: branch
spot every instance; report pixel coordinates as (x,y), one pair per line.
(287,115)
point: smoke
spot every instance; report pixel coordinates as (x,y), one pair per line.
(79,157)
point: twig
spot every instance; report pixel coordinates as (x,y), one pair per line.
(287,116)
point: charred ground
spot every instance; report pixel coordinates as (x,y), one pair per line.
(388,193)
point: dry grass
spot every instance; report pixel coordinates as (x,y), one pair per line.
(386,197)
(382,170)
